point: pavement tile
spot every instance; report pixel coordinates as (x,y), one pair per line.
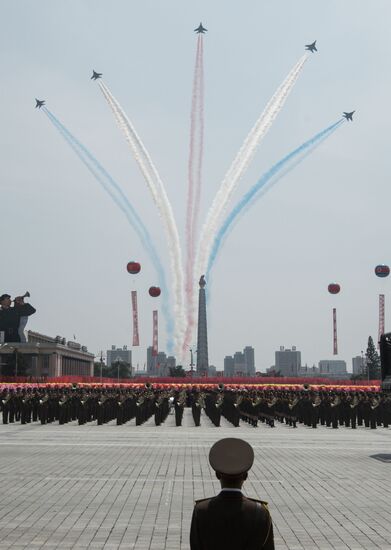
(115,487)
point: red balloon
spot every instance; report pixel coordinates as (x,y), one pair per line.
(133,268)
(333,288)
(154,291)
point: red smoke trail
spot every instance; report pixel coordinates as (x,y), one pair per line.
(194,182)
(200,149)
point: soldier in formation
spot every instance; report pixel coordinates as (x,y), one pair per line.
(64,404)
(197,403)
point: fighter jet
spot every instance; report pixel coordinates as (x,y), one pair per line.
(40,103)
(200,29)
(349,116)
(311,47)
(96,75)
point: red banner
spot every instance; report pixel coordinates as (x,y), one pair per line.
(381,318)
(136,339)
(335,340)
(155,343)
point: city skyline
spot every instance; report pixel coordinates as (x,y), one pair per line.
(355,366)
(322,223)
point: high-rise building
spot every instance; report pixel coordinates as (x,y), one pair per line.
(212,370)
(161,364)
(118,354)
(151,361)
(202,333)
(228,365)
(333,368)
(309,371)
(249,360)
(358,364)
(239,364)
(171,362)
(288,361)
(242,363)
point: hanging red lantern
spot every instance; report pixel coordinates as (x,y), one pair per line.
(334,288)
(133,268)
(382,270)
(154,291)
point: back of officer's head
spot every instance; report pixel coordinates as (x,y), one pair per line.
(231,459)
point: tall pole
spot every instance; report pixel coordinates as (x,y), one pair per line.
(191,363)
(101,365)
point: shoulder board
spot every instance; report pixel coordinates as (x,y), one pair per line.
(202,500)
(259,501)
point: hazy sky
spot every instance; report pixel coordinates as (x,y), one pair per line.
(328,220)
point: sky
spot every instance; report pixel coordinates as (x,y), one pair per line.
(328,220)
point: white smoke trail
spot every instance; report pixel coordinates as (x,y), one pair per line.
(162,202)
(240,164)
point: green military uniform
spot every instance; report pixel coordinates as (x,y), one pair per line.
(231,521)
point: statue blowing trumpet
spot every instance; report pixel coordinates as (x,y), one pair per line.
(25,295)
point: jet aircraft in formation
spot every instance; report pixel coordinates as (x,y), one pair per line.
(311,47)
(200,29)
(349,116)
(96,75)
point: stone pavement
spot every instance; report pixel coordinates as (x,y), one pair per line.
(128,487)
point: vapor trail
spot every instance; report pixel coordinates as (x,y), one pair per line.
(194,184)
(241,163)
(272,176)
(117,195)
(160,198)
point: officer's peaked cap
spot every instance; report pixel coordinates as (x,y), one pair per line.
(231,456)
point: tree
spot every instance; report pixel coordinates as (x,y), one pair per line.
(372,361)
(97,367)
(120,368)
(177,372)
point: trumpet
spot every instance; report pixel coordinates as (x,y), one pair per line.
(25,295)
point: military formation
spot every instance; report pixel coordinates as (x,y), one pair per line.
(56,404)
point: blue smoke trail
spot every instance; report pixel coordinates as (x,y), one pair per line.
(121,200)
(274,174)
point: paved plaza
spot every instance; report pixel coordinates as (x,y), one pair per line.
(128,487)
